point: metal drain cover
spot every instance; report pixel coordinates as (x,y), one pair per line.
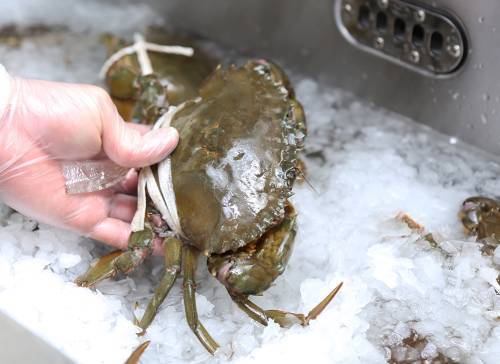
(427,40)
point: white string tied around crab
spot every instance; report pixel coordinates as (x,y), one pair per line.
(141,48)
(163,196)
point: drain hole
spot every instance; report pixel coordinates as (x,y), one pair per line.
(418,35)
(381,23)
(399,29)
(364,17)
(436,43)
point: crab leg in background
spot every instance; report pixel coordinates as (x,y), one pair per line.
(137,353)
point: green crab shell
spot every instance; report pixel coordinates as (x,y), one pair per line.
(234,167)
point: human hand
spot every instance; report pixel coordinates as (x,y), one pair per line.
(45,123)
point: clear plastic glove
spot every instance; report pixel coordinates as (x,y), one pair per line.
(45,123)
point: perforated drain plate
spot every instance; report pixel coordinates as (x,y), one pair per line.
(427,40)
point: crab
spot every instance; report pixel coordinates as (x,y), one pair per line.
(231,178)
(183,75)
(480,216)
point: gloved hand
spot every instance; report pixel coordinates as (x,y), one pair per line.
(44,123)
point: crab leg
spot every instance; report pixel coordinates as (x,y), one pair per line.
(189,263)
(282,318)
(173,252)
(119,262)
(251,309)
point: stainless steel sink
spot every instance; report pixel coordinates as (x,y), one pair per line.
(19,346)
